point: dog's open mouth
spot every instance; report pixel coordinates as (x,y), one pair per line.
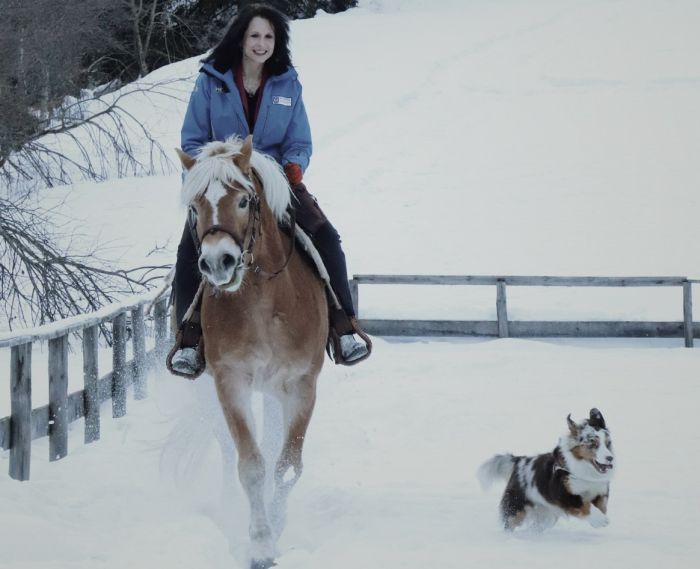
(600,467)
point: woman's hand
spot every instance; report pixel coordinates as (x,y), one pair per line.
(294,173)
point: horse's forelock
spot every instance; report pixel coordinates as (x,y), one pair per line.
(214,161)
(218,168)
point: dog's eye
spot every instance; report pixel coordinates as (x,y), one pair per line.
(593,443)
(243,203)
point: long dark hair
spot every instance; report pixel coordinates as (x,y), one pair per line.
(228,54)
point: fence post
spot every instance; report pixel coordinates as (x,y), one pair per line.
(21,411)
(90,379)
(688,313)
(58,398)
(160,316)
(501,309)
(119,375)
(139,342)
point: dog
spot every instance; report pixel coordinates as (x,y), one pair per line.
(573,479)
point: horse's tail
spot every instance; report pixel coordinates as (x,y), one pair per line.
(196,424)
(500,467)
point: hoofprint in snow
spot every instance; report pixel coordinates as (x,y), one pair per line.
(547,137)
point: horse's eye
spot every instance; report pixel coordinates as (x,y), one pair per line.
(243,203)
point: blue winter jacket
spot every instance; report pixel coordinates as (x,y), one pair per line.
(216,112)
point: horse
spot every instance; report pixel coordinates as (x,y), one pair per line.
(264,316)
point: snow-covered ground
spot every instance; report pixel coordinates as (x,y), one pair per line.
(463,137)
(390,460)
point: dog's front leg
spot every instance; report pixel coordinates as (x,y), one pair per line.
(597,517)
(601,502)
(592,514)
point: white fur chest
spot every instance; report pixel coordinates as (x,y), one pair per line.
(587,489)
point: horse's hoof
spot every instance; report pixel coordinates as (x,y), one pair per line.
(262,563)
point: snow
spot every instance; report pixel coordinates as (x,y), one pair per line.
(390,462)
(551,137)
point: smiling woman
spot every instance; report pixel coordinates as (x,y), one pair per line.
(247,86)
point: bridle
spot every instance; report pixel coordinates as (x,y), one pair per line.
(252,233)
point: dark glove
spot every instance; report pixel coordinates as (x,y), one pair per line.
(293,172)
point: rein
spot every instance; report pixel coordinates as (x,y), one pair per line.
(252,232)
(253,229)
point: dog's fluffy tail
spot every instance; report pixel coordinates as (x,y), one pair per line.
(500,467)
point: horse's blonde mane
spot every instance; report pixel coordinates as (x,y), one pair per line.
(214,161)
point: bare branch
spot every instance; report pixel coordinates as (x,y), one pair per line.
(93,138)
(41,282)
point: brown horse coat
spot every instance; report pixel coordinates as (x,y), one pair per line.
(263,330)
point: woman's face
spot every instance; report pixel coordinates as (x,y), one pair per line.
(259,40)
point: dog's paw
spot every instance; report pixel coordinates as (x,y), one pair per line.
(597,519)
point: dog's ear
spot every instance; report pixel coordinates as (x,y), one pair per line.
(573,427)
(596,419)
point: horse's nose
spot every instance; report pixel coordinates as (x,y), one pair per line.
(217,266)
(217,263)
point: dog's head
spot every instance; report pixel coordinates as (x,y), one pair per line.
(588,447)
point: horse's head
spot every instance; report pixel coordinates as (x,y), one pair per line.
(221,195)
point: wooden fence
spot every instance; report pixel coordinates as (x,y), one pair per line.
(503,327)
(26,424)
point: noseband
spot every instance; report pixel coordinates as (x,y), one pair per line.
(252,231)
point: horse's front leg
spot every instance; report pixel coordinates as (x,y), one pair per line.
(235,401)
(298,406)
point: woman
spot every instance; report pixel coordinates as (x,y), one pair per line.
(247,85)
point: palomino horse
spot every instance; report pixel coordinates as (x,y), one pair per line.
(264,316)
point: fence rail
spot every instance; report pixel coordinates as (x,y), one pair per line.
(26,424)
(503,327)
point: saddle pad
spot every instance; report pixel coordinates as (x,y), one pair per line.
(304,241)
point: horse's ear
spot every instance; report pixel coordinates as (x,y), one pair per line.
(242,159)
(186,160)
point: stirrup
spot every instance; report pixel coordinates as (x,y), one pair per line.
(186,361)
(335,348)
(189,364)
(351,349)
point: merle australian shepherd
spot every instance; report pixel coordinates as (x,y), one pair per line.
(573,479)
